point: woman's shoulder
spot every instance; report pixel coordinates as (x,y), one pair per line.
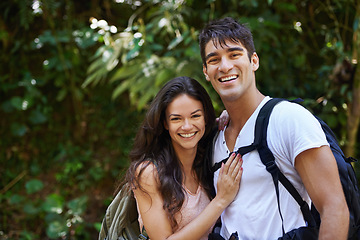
(146,173)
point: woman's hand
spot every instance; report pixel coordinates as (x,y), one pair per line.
(223,120)
(229,178)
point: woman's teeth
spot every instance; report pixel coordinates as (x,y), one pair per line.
(187,135)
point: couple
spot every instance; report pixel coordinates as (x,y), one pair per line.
(175,148)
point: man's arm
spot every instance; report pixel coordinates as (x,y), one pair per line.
(318,170)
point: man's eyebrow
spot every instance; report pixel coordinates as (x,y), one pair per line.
(212,54)
(235,49)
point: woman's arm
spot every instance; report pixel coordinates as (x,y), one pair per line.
(155,220)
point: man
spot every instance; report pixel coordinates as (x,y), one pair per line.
(294,137)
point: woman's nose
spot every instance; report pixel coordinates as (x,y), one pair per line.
(187,125)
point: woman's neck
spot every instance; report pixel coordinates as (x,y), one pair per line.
(190,179)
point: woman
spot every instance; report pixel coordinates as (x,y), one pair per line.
(169,171)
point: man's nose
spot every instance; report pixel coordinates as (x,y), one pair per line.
(225,65)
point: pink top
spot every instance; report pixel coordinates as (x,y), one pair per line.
(193,205)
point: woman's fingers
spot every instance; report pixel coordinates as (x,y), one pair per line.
(236,165)
(229,178)
(233,165)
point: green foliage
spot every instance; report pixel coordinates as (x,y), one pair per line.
(73,91)
(157,46)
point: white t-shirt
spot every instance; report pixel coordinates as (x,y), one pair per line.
(254,213)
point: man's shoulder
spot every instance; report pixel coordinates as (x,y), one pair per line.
(290,116)
(292,110)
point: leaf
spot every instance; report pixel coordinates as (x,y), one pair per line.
(53,203)
(16,102)
(37,117)
(29,208)
(144,99)
(34,186)
(96,65)
(121,88)
(175,42)
(124,72)
(78,205)
(97,226)
(18,129)
(26,235)
(57,229)
(94,78)
(7,106)
(61,94)
(16,199)
(163,76)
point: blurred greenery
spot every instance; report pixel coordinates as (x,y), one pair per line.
(76,78)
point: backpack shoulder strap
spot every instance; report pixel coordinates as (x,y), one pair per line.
(268,159)
(120,216)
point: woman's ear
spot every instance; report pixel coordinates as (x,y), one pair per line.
(166,125)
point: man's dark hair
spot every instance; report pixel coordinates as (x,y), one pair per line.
(221,30)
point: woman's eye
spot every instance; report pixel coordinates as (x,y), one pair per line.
(196,116)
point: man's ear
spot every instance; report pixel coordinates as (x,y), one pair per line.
(205,73)
(255,61)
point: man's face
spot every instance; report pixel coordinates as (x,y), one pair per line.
(229,69)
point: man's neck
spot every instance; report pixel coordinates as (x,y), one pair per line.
(239,112)
(241,109)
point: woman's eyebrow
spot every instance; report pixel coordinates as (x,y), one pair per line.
(197,110)
(177,115)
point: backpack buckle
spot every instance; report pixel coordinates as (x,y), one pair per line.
(142,237)
(271,167)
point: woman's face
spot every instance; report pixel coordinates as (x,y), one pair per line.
(185,121)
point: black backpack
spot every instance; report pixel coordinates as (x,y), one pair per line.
(346,170)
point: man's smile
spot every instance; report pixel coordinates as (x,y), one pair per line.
(227,78)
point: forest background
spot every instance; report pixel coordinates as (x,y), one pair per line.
(76,78)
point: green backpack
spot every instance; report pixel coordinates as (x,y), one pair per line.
(121,218)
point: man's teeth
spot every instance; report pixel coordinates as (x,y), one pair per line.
(228,78)
(187,135)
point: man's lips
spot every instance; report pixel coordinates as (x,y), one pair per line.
(227,78)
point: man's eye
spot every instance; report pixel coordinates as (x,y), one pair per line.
(212,60)
(235,54)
